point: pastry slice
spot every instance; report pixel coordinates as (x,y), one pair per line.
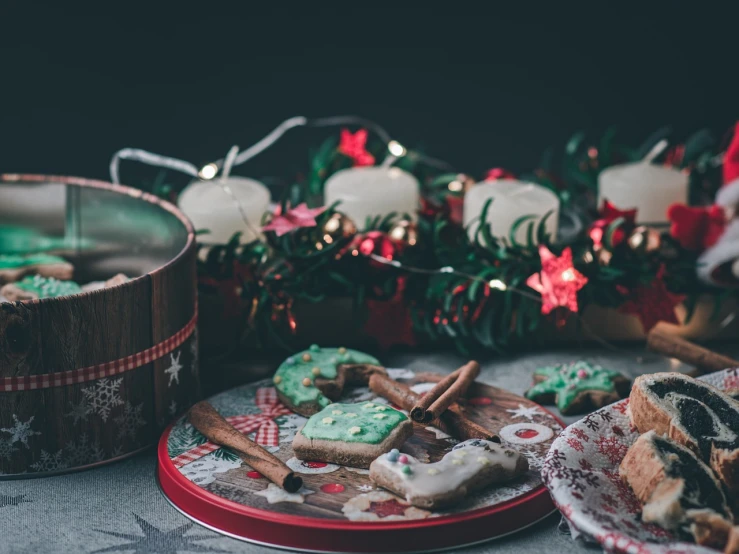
(469,467)
(694,414)
(679,491)
(352,434)
(13,267)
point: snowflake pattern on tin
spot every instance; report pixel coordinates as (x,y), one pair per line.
(581,472)
(50,462)
(6,449)
(79,412)
(129,422)
(174,368)
(103,396)
(20,431)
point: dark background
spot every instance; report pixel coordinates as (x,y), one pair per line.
(484,88)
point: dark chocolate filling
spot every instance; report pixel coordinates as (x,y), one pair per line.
(696,418)
(701,491)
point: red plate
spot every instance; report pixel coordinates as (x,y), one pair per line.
(332,515)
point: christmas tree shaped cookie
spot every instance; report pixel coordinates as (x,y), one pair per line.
(13,267)
(308,381)
(470,466)
(33,288)
(352,434)
(577,387)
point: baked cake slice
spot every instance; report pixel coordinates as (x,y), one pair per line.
(694,414)
(678,490)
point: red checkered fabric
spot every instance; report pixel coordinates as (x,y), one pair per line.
(268,432)
(108,369)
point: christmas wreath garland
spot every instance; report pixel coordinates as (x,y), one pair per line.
(426,275)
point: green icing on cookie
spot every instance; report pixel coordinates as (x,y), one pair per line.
(48,287)
(566,381)
(293,372)
(13,262)
(355,423)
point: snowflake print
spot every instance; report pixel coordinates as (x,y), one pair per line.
(6,449)
(174,368)
(129,421)
(580,434)
(585,464)
(20,431)
(365,488)
(624,492)
(523,411)
(575,444)
(83,452)
(49,462)
(103,396)
(79,412)
(173,408)
(622,406)
(590,422)
(611,449)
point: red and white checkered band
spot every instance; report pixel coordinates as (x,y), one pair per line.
(268,432)
(108,369)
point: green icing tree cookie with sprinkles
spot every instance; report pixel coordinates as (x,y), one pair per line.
(300,378)
(577,387)
(352,434)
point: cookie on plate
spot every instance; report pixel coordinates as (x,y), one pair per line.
(470,466)
(577,387)
(693,413)
(33,288)
(13,267)
(308,381)
(352,434)
(679,491)
(117,279)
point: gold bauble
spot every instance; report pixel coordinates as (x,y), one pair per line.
(644,240)
(603,256)
(404,232)
(338,226)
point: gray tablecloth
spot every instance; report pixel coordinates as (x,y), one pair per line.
(119,508)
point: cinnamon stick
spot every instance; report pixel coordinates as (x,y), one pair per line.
(216,429)
(445,393)
(452,421)
(685,351)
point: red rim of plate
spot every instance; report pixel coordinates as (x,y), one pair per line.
(327,535)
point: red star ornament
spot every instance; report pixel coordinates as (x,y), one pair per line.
(558,281)
(355,146)
(389,321)
(653,303)
(300,216)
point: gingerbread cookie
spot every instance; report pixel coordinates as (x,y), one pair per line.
(577,387)
(13,268)
(352,434)
(36,287)
(310,380)
(470,466)
(114,281)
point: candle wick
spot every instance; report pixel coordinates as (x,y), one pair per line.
(229,161)
(656,150)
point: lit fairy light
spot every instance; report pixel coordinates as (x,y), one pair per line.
(568,275)
(396,149)
(328,239)
(497,284)
(455,186)
(208,172)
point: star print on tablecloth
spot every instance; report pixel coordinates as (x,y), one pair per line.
(652,303)
(527,412)
(174,368)
(275,494)
(297,217)
(156,540)
(354,145)
(558,281)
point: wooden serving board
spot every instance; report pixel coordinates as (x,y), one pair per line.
(339,508)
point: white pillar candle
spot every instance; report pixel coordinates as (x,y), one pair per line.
(511,200)
(371,191)
(649,188)
(225,206)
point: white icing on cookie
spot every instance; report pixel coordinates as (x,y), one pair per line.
(453,471)
(526,433)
